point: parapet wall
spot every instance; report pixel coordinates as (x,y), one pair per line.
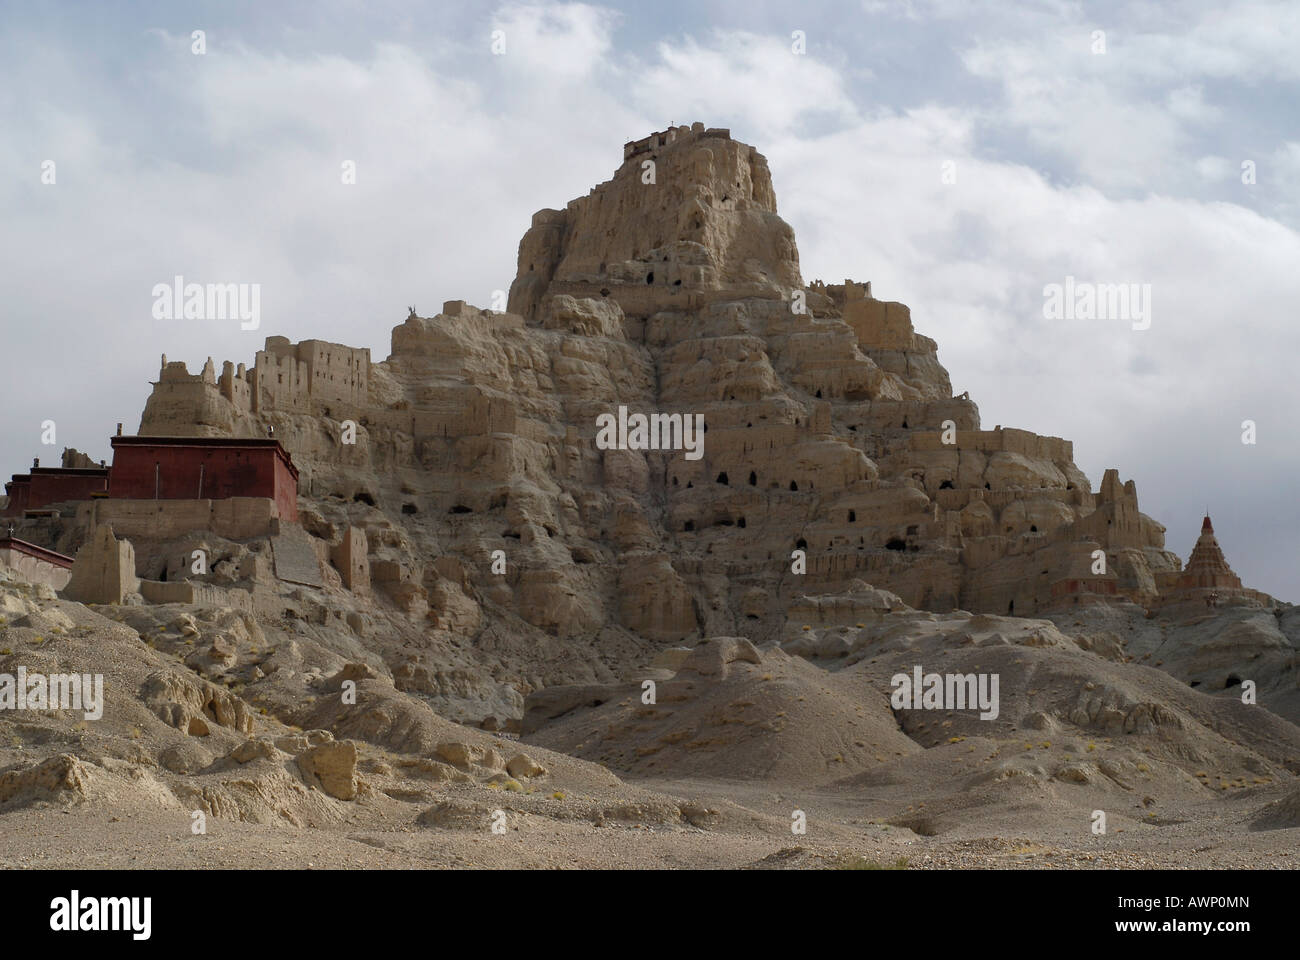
(30,564)
(186,591)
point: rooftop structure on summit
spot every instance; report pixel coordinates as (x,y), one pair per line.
(664,138)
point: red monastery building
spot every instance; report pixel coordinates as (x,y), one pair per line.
(204,468)
(47,485)
(166,468)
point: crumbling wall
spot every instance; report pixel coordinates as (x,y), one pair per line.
(104,570)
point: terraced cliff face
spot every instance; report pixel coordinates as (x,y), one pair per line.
(834,450)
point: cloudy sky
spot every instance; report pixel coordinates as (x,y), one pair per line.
(1112,143)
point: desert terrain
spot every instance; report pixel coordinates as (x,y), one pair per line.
(479,636)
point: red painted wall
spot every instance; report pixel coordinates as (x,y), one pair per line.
(56,487)
(203,472)
(286,491)
(47,485)
(19,491)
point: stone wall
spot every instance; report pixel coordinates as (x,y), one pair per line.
(186,591)
(239,518)
(104,570)
(33,566)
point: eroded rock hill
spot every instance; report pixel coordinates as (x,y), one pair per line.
(672,288)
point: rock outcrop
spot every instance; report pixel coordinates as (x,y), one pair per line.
(461,483)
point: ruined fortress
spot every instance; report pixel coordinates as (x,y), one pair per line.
(836,451)
(284,377)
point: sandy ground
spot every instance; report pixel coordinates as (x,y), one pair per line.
(50,836)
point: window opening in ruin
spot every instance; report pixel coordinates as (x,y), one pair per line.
(460,508)
(409,508)
(650,277)
(946,485)
(1011,608)
(802,544)
(722,479)
(895,544)
(690,525)
(753,479)
(794,486)
(853,516)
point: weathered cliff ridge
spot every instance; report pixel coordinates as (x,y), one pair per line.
(835,451)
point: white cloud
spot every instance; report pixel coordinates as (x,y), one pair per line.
(757,81)
(1214,168)
(563,40)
